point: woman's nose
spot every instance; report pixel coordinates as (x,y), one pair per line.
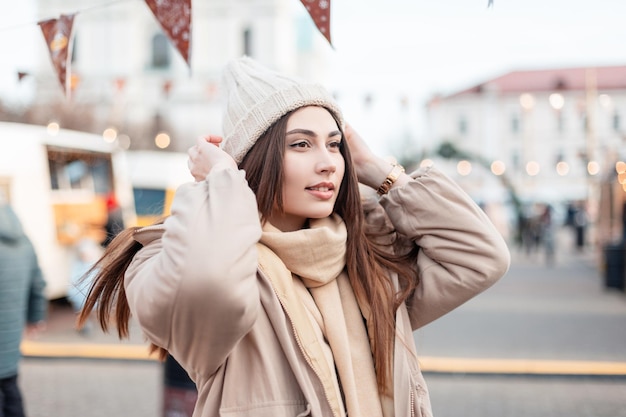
(326,162)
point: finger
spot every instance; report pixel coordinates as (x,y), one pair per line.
(214,139)
(193,151)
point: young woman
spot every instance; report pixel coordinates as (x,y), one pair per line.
(282,287)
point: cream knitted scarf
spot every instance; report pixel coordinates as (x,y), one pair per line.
(316,258)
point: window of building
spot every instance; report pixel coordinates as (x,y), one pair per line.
(305,30)
(74,50)
(560,121)
(617,122)
(515,124)
(160,51)
(462,125)
(583,119)
(247,41)
(559,157)
(515,159)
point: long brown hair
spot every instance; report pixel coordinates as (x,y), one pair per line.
(368,263)
(107,294)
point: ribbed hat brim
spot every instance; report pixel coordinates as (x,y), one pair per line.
(257,97)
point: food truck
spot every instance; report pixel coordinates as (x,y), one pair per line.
(58,182)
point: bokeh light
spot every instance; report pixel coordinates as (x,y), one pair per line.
(532,168)
(53,128)
(527,101)
(605,101)
(123,141)
(562,168)
(498,167)
(162,140)
(593,168)
(556,101)
(464,167)
(109,135)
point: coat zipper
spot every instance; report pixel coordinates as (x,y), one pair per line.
(412,398)
(299,343)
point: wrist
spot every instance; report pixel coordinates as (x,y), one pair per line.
(374,172)
(392,177)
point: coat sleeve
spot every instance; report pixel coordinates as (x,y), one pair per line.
(461,253)
(194,291)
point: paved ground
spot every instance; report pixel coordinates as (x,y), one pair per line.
(537,313)
(96,388)
(544,341)
(91,388)
(505,396)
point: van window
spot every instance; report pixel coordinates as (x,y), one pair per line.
(149,202)
(79,170)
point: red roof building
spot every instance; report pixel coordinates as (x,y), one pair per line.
(561,79)
(554,130)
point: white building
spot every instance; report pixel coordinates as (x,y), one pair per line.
(129,77)
(555,132)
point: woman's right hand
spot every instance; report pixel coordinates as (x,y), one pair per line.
(206,155)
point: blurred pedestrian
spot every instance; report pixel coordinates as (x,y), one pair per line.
(530,230)
(279,286)
(23,304)
(547,232)
(580,225)
(115,219)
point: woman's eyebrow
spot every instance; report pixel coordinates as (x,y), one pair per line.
(308,132)
(302,131)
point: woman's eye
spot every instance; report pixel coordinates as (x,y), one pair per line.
(336,145)
(302,144)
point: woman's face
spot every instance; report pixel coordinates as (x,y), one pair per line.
(313,168)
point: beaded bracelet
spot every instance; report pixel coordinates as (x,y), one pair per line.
(391,178)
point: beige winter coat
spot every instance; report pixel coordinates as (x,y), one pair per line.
(196,290)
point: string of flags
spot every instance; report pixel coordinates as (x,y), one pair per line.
(58,35)
(175,20)
(174,17)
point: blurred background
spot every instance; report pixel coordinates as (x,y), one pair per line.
(523,103)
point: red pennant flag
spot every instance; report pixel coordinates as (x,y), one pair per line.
(120,83)
(58,35)
(320,13)
(167,87)
(174,16)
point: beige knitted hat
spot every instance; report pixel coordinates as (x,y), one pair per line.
(256,97)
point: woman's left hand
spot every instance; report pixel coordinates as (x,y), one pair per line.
(206,155)
(371,169)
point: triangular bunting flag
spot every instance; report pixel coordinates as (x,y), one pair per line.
(21,75)
(58,36)
(320,13)
(174,16)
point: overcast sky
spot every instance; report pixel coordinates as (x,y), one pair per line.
(416,48)
(426,46)
(443,45)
